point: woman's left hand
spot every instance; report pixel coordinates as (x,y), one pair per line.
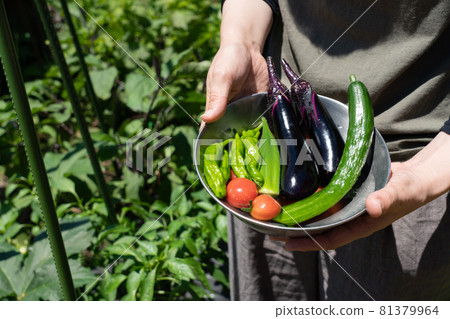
(412,184)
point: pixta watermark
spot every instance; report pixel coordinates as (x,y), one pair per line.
(144,145)
(303,153)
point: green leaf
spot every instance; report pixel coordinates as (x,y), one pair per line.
(182,18)
(62,184)
(22,199)
(63,208)
(37,278)
(133,282)
(220,277)
(43,285)
(222,226)
(9,266)
(206,206)
(13,230)
(149,248)
(149,226)
(77,235)
(174,226)
(190,245)
(8,215)
(103,81)
(138,89)
(109,285)
(113,229)
(63,113)
(81,275)
(197,269)
(134,181)
(148,285)
(181,269)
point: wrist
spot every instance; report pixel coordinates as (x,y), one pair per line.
(248,45)
(431,167)
(245,23)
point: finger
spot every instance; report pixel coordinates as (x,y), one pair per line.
(215,107)
(278,238)
(218,90)
(381,201)
(337,237)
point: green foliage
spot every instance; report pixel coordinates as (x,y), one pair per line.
(31,276)
(167,244)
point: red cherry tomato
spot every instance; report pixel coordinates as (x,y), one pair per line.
(265,207)
(232,174)
(240,192)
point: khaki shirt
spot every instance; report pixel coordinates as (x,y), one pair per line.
(400,49)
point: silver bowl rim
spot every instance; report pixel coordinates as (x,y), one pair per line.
(276,226)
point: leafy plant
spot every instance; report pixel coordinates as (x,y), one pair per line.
(31,274)
(167,244)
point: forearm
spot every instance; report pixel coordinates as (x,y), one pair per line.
(432,166)
(245,22)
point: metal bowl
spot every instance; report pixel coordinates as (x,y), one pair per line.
(244,114)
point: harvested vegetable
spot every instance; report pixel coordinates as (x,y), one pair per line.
(216,176)
(270,168)
(237,154)
(265,207)
(252,155)
(298,179)
(357,146)
(320,126)
(240,192)
(225,166)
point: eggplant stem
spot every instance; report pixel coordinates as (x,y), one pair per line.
(283,93)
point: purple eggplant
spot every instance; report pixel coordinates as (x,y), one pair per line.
(299,173)
(320,126)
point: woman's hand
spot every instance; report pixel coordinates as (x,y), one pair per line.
(412,184)
(236,71)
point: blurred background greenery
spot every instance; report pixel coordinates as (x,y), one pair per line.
(183,254)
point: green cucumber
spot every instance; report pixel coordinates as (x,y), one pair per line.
(359,138)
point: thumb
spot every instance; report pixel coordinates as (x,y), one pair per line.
(381,200)
(216,103)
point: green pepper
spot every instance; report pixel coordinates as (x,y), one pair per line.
(216,176)
(252,156)
(225,166)
(237,161)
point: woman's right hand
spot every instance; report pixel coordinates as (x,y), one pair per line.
(236,71)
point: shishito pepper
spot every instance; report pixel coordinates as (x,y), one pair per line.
(237,154)
(252,156)
(270,167)
(225,166)
(217,176)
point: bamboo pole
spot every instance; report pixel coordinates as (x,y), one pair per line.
(27,129)
(68,83)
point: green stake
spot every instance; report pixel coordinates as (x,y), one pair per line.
(25,120)
(84,69)
(68,83)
